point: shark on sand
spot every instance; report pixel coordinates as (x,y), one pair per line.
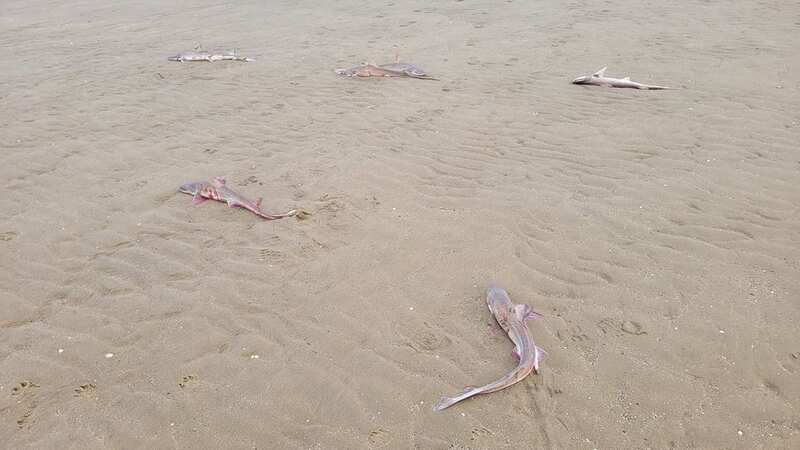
(599,78)
(219,191)
(513,319)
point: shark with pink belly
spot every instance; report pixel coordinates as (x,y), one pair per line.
(219,191)
(395,69)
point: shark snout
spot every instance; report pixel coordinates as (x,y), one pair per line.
(188,188)
(580,80)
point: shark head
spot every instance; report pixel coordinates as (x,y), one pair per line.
(191,188)
(582,80)
(351,72)
(500,305)
(587,79)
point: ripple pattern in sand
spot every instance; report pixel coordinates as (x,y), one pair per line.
(657,232)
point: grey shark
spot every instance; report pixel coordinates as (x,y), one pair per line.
(202,55)
(513,320)
(219,191)
(600,79)
(395,69)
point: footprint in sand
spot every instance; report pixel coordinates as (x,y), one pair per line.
(574,334)
(25,419)
(423,338)
(266,254)
(23,386)
(379,437)
(185,380)
(251,180)
(480,432)
(84,389)
(616,327)
(7,235)
(791,363)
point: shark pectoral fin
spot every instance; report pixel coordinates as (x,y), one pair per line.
(258,202)
(600,72)
(521,311)
(198,199)
(533,315)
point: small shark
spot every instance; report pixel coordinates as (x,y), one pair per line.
(366,70)
(407,69)
(599,79)
(202,55)
(217,190)
(513,320)
(395,69)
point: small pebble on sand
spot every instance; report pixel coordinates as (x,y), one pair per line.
(109,355)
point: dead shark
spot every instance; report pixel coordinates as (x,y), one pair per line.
(395,69)
(513,320)
(217,190)
(366,70)
(409,70)
(599,79)
(202,55)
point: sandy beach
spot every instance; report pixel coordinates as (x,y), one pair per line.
(657,232)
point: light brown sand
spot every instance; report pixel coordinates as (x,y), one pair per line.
(658,232)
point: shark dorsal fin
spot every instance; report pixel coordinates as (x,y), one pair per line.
(525,312)
(626,79)
(600,72)
(218,182)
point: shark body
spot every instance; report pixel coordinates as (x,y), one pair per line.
(217,190)
(512,318)
(600,79)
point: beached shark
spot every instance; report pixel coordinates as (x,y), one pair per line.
(202,55)
(513,319)
(217,190)
(599,79)
(395,69)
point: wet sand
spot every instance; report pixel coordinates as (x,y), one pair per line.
(657,232)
